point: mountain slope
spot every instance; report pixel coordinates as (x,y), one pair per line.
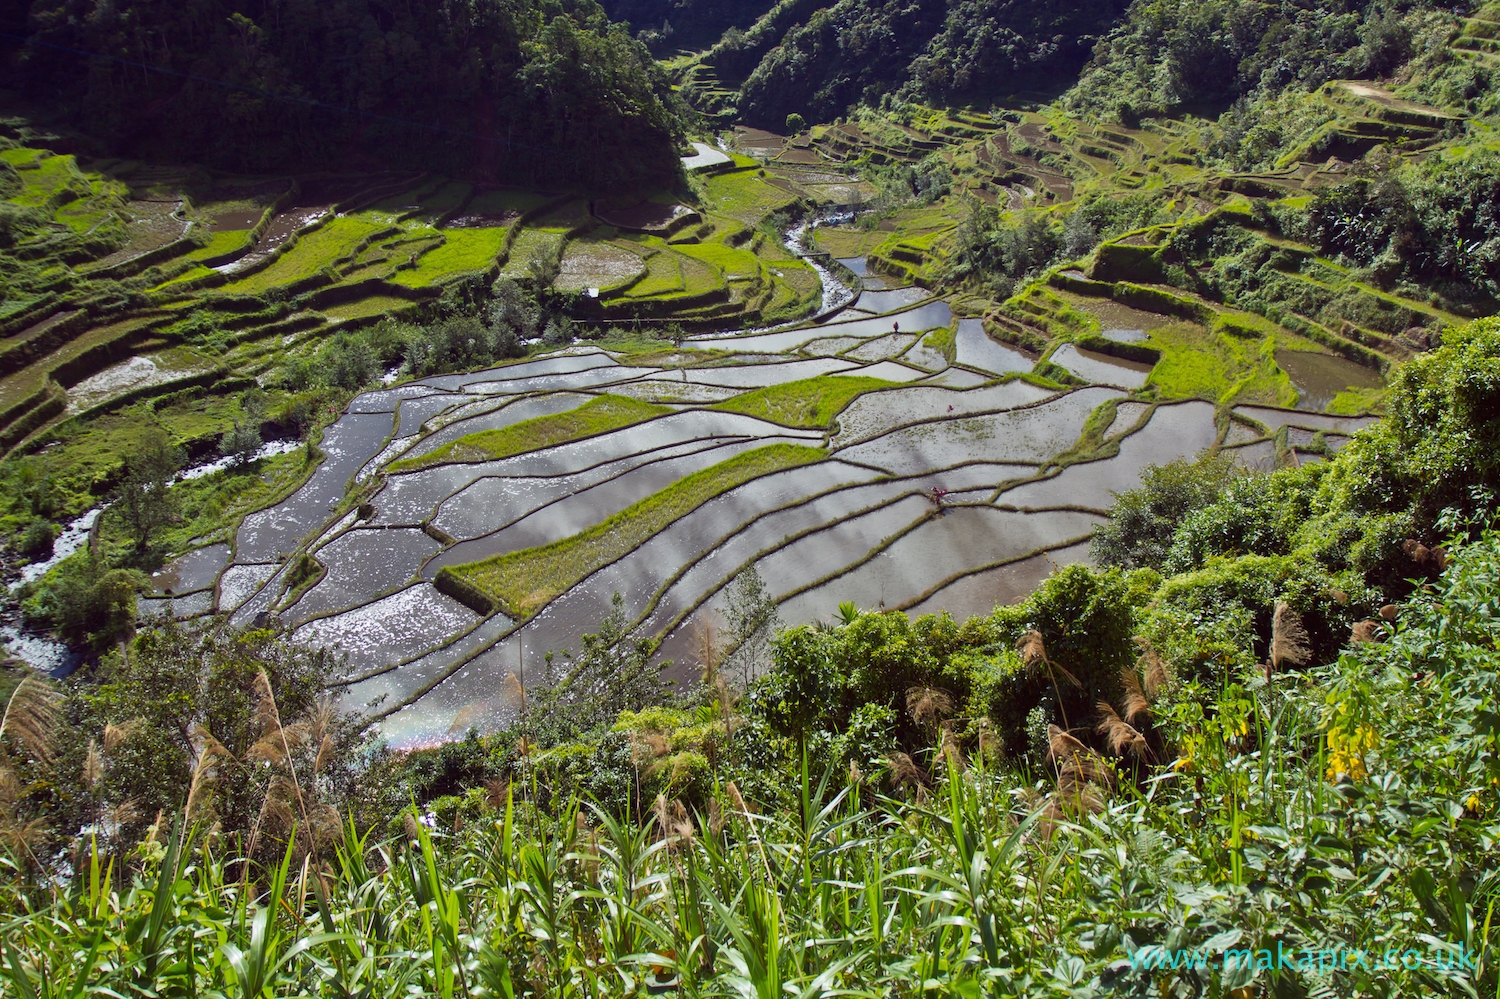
(512,89)
(688,24)
(817,59)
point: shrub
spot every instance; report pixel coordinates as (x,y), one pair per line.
(36,541)
(1143,521)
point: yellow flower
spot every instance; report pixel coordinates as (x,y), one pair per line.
(1473,804)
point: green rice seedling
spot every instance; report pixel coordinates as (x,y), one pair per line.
(598,416)
(464,251)
(525,581)
(810,402)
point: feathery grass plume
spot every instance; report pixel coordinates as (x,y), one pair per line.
(1076,761)
(1289,644)
(272,745)
(209,753)
(1082,778)
(465,718)
(116,734)
(707,646)
(1033,650)
(122,815)
(22,837)
(905,774)
(716,818)
(315,728)
(672,821)
(496,792)
(646,748)
(276,812)
(1364,632)
(513,692)
(1121,737)
(1061,745)
(1151,666)
(93,766)
(736,799)
(1136,706)
(30,718)
(929,707)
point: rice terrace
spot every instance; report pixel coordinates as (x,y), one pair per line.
(804,398)
(601,499)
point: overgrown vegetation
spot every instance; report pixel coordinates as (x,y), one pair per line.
(581,102)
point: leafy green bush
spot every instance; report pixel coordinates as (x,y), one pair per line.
(36,540)
(1433,222)
(85,601)
(1144,521)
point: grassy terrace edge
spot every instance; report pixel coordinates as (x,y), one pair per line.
(810,402)
(521,583)
(597,416)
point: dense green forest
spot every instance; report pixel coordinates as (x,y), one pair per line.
(684,24)
(509,90)
(818,61)
(1138,60)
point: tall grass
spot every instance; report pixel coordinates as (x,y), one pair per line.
(967,889)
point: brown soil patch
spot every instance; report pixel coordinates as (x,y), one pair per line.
(482,221)
(805,156)
(646,215)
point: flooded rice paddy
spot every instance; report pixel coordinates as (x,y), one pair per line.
(957,488)
(1320,377)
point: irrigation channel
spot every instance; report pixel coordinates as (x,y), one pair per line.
(939,489)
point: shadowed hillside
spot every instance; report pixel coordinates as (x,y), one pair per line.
(514,90)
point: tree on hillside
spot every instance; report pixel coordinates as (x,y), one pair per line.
(146,502)
(242,440)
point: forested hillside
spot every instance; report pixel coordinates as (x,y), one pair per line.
(817,60)
(684,24)
(512,90)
